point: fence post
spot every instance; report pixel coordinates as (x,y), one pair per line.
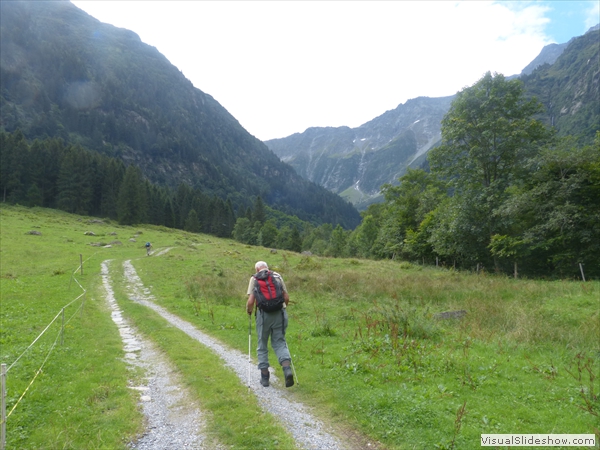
(581,269)
(3,406)
(516,272)
(62,329)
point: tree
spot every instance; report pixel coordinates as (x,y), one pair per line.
(258,214)
(34,196)
(337,245)
(113,177)
(268,234)
(168,213)
(556,213)
(295,241)
(74,185)
(406,206)
(488,134)
(192,224)
(131,203)
(363,238)
(13,150)
(242,230)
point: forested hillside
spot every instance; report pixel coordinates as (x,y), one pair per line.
(51,174)
(66,75)
(504,193)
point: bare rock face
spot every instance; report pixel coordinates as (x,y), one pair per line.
(355,162)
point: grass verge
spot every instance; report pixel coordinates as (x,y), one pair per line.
(369,351)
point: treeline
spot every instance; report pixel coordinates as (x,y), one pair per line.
(503,194)
(50,174)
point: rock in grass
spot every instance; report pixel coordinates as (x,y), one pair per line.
(451,314)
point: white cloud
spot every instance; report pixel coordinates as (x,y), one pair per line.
(592,15)
(281,67)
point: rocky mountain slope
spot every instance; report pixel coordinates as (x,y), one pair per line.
(355,162)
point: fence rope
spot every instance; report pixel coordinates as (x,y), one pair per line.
(45,329)
(35,376)
(55,340)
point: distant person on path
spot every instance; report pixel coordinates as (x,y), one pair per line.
(267,291)
(148,248)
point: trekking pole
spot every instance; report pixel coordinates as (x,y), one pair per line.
(249,345)
(292,363)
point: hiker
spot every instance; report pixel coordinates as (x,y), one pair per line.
(268,293)
(148,248)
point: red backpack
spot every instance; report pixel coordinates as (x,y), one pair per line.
(268,291)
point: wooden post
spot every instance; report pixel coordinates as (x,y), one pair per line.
(436,261)
(477,267)
(3,406)
(581,269)
(516,273)
(81,263)
(62,330)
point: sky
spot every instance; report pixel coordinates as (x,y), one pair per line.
(280,67)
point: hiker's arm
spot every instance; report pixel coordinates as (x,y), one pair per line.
(286,297)
(250,304)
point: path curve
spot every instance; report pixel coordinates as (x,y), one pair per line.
(308,431)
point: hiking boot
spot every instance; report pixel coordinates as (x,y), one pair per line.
(289,376)
(264,379)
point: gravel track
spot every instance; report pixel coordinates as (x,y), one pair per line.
(308,431)
(174,420)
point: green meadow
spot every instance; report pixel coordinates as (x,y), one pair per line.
(372,356)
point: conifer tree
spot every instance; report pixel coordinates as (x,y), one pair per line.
(192,224)
(113,177)
(131,204)
(258,213)
(74,185)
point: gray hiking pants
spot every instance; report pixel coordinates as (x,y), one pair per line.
(273,325)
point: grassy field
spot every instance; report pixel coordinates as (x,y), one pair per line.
(370,353)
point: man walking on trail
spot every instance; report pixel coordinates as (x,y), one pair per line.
(148,248)
(267,291)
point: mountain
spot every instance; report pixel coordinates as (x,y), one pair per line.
(65,74)
(548,55)
(355,162)
(569,89)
